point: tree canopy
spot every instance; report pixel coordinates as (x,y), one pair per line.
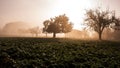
(59,24)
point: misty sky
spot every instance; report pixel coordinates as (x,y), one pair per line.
(36,11)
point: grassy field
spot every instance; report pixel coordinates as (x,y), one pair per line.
(58,53)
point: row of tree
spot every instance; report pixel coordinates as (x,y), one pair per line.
(96,19)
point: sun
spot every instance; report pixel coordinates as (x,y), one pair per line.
(74,9)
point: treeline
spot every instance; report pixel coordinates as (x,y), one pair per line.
(101,24)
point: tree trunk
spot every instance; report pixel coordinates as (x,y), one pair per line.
(100,35)
(54,35)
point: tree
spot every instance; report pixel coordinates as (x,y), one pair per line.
(45,23)
(98,20)
(35,31)
(59,24)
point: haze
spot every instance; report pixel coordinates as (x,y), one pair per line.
(34,12)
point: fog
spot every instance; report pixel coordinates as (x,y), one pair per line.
(108,34)
(14,29)
(34,12)
(21,29)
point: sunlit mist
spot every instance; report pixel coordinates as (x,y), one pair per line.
(34,12)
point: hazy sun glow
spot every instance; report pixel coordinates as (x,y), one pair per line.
(74,9)
(35,12)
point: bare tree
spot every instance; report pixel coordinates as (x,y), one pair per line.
(35,31)
(98,20)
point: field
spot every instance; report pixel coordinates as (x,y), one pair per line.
(58,53)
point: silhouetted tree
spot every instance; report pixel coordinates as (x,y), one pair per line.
(116,32)
(35,31)
(116,25)
(45,23)
(59,24)
(98,20)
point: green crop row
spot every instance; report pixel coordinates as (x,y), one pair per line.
(58,53)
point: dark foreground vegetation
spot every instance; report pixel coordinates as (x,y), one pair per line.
(58,53)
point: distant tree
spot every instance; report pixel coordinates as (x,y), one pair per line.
(59,24)
(45,23)
(98,20)
(116,25)
(35,31)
